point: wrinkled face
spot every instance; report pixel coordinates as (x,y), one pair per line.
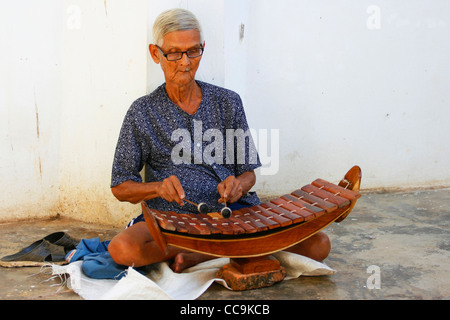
(179,72)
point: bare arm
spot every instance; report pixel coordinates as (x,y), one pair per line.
(169,189)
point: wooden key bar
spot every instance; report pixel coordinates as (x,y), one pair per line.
(345,193)
(308,215)
(209,222)
(246,218)
(316,211)
(271,215)
(163,221)
(247,227)
(295,218)
(224,228)
(184,223)
(229,226)
(268,222)
(313,200)
(193,222)
(327,196)
(173,219)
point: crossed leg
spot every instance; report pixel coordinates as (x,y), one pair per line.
(135,247)
(316,247)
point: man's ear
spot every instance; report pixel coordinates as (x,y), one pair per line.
(154,53)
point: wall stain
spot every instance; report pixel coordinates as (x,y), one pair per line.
(36,110)
(241,32)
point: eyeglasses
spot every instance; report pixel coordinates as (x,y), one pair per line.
(173,56)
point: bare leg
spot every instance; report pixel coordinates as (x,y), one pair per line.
(185,260)
(135,247)
(316,247)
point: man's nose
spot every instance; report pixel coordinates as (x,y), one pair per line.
(185,59)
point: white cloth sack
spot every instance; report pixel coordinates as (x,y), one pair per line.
(161,283)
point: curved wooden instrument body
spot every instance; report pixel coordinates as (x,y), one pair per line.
(260,230)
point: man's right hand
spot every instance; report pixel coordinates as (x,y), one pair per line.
(170,189)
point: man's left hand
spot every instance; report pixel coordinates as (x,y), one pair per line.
(230,190)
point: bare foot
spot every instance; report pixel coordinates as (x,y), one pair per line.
(316,247)
(185,260)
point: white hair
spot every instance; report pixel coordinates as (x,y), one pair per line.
(174,20)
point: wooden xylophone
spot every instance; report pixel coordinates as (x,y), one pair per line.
(262,229)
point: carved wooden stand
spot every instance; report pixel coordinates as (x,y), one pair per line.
(251,273)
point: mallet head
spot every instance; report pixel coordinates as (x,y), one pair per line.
(203,208)
(226,212)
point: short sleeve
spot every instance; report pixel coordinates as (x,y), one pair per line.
(129,154)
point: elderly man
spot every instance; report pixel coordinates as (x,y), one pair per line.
(183,110)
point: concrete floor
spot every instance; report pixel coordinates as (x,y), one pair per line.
(405,236)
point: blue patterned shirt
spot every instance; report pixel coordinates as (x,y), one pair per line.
(200,149)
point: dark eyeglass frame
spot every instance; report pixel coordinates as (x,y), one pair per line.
(181,56)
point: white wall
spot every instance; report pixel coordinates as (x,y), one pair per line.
(103,71)
(30,107)
(69,71)
(346,90)
(342,82)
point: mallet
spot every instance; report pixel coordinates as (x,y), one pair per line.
(226,212)
(201,207)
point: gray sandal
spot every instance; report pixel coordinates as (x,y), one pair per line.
(51,249)
(62,239)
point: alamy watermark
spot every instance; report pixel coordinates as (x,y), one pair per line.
(374,280)
(374,20)
(229,146)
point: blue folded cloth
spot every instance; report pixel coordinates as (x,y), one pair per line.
(97,262)
(86,247)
